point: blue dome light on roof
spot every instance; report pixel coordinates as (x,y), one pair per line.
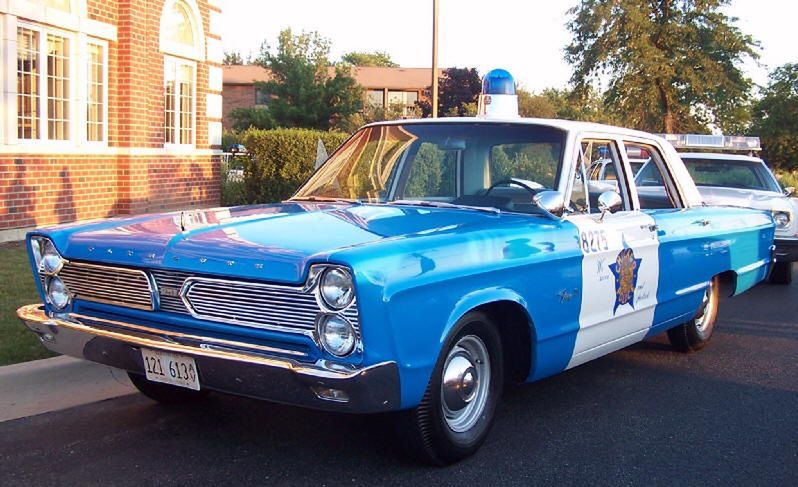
(498,82)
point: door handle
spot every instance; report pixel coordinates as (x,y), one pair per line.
(703,223)
(650,227)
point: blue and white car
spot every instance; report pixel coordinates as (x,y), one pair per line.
(422,266)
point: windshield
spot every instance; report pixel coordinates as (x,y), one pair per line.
(731,174)
(447,163)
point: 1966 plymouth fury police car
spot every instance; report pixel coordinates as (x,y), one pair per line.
(423,265)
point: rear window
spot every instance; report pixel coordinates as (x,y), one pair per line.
(731,174)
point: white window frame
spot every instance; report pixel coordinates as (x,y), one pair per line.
(84,102)
(195,52)
(44,118)
(177,63)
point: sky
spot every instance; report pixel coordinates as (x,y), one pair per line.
(526,37)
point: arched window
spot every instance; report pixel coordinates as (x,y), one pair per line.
(183,43)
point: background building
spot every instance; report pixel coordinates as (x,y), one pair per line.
(382,86)
(109,107)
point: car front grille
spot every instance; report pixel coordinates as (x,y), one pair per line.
(254,304)
(106,284)
(292,309)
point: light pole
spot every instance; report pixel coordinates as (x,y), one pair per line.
(434,58)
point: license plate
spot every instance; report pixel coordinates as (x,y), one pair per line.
(170,368)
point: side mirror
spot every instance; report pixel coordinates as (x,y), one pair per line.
(789,191)
(551,202)
(609,201)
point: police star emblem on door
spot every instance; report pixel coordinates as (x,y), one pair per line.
(625,270)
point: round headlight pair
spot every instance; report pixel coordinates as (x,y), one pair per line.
(57,293)
(781,219)
(336,288)
(336,334)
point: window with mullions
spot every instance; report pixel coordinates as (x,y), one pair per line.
(95,105)
(178,102)
(57,87)
(28,73)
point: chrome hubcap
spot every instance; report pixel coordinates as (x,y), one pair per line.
(707,310)
(465,385)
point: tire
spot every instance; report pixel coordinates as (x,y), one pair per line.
(447,427)
(695,334)
(165,393)
(781,273)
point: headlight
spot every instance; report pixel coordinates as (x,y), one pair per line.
(336,335)
(782,219)
(57,293)
(336,288)
(51,261)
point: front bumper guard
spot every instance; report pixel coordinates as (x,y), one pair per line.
(786,250)
(226,366)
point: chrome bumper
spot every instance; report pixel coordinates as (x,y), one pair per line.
(786,250)
(226,366)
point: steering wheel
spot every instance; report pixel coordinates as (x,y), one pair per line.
(511,182)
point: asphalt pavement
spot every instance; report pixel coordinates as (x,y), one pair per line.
(645,415)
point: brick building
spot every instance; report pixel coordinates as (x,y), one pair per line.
(108,107)
(382,87)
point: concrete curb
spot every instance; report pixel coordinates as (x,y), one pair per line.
(53,384)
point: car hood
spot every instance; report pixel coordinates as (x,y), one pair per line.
(269,242)
(744,198)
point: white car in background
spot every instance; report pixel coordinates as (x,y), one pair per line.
(743,180)
(746,181)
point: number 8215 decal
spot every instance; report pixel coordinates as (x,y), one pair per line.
(593,241)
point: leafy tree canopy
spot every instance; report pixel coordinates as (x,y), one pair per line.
(776,118)
(376,58)
(586,105)
(245,118)
(304,92)
(458,90)
(668,65)
(232,58)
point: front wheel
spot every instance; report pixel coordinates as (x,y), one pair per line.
(458,407)
(781,273)
(695,334)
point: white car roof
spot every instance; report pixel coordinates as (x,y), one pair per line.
(567,125)
(719,156)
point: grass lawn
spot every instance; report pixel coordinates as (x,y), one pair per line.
(17,344)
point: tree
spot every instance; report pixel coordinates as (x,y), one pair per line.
(232,58)
(305,91)
(775,118)
(376,58)
(259,118)
(534,105)
(668,65)
(458,90)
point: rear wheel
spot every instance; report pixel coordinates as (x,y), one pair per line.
(781,273)
(695,334)
(165,393)
(459,405)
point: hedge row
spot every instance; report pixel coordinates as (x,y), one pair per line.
(281,160)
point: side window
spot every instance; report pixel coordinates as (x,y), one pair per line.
(654,187)
(433,174)
(535,162)
(597,162)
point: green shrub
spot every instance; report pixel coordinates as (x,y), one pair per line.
(230,137)
(788,179)
(280,160)
(245,118)
(232,183)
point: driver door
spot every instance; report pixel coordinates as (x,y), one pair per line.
(620,268)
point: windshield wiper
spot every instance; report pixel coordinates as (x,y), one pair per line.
(443,204)
(324,199)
